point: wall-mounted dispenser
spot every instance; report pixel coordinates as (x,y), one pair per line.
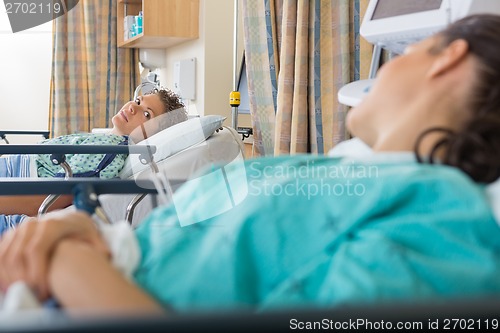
(185,78)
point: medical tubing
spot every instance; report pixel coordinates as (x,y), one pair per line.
(161,188)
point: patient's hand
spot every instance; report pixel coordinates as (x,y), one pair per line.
(26,252)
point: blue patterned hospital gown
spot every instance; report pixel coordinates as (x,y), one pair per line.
(82,165)
(316,231)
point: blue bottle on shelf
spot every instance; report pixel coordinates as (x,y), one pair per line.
(139,23)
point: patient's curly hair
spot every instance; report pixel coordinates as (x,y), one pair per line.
(475,149)
(171,101)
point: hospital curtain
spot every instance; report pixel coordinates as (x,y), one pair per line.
(91,76)
(299,53)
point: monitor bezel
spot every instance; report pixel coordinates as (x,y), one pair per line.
(415,24)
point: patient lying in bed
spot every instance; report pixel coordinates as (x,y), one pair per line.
(314,231)
(135,121)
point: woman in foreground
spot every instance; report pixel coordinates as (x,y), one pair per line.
(313,230)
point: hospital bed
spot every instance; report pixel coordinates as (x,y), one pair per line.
(85,190)
(468,311)
(221,148)
(25,186)
(183,152)
(180,152)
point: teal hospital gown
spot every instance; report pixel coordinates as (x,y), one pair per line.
(84,165)
(316,231)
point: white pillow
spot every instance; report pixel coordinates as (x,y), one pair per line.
(173,140)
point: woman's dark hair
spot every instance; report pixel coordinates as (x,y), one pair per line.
(171,101)
(475,149)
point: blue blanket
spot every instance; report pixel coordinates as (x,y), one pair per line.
(315,231)
(13,166)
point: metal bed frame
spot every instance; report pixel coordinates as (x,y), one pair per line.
(84,190)
(3,134)
(479,314)
(58,157)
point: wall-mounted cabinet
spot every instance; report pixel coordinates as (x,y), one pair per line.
(165,22)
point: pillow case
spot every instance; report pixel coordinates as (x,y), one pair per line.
(173,140)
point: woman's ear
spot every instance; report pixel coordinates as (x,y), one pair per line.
(449,57)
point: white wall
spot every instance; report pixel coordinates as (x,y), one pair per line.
(25,66)
(214,59)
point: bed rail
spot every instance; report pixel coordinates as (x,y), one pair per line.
(3,134)
(28,186)
(480,313)
(58,157)
(77,149)
(85,191)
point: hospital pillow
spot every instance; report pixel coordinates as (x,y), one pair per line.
(157,124)
(173,140)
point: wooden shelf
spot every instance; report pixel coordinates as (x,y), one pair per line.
(166,22)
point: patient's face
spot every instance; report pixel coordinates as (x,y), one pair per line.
(135,113)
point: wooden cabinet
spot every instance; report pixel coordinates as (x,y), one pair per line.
(165,22)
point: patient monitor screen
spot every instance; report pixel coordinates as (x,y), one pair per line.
(390,8)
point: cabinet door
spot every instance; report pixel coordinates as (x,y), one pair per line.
(165,22)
